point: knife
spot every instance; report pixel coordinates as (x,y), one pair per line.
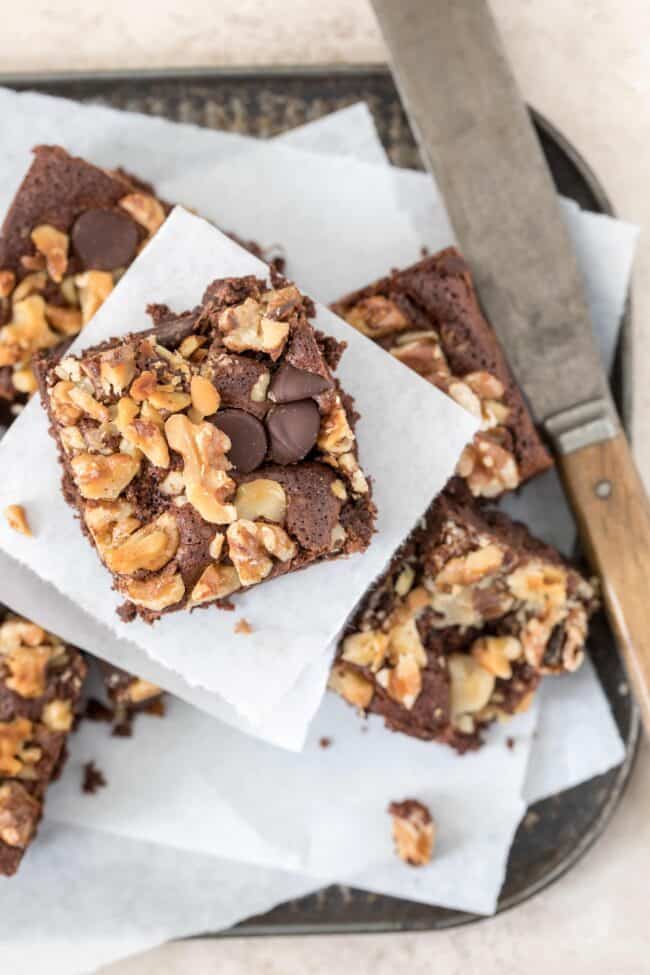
(474,131)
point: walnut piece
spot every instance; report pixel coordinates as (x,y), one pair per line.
(377,316)
(351,685)
(58,715)
(53,245)
(7,283)
(94,289)
(205,398)
(496,653)
(157,592)
(244,327)
(145,210)
(103,478)
(216,582)
(19,814)
(203,448)
(488,468)
(261,498)
(161,396)
(150,547)
(413,832)
(15,752)
(250,545)
(336,436)
(26,333)
(17,519)
(67,321)
(468,569)
(117,368)
(471,685)
(138,691)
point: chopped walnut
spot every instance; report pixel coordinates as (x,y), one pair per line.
(496,654)
(30,284)
(471,687)
(53,245)
(156,592)
(376,316)
(26,333)
(216,582)
(205,398)
(336,436)
(117,368)
(103,478)
(17,519)
(261,498)
(468,569)
(250,545)
(243,627)
(145,210)
(203,448)
(352,686)
(244,327)
(19,814)
(94,289)
(7,283)
(58,715)
(67,321)
(143,432)
(488,468)
(15,752)
(161,396)
(150,547)
(413,832)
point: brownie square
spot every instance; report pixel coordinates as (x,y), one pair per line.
(212,452)
(428,317)
(40,683)
(70,233)
(458,633)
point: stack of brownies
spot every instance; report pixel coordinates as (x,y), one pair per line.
(218,450)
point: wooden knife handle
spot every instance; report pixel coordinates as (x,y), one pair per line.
(613,515)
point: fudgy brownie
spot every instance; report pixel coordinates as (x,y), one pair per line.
(40,683)
(428,317)
(470,615)
(128,694)
(70,233)
(212,452)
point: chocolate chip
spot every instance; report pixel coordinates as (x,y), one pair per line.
(247,436)
(104,239)
(290,384)
(293,429)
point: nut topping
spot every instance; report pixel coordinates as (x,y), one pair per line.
(351,685)
(377,316)
(94,288)
(145,210)
(53,245)
(7,282)
(495,654)
(58,715)
(19,813)
(17,519)
(244,327)
(14,751)
(261,498)
(151,547)
(251,543)
(103,478)
(336,436)
(471,685)
(413,832)
(469,569)
(203,448)
(205,398)
(216,582)
(157,592)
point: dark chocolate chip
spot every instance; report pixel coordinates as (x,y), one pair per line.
(247,436)
(290,384)
(293,429)
(104,239)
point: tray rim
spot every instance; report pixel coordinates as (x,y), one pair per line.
(33,80)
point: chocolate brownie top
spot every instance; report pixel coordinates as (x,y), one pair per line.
(70,233)
(428,317)
(214,451)
(472,612)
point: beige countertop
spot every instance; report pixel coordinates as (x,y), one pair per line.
(586,66)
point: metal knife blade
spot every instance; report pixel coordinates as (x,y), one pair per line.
(474,131)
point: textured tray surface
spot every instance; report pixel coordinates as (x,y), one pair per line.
(557,830)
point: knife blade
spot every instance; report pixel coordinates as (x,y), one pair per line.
(474,132)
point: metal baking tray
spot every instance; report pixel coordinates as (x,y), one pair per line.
(557,831)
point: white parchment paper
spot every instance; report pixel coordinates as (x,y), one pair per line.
(409,443)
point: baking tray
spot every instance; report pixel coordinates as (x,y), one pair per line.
(557,831)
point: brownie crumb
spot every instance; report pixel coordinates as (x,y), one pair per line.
(243,626)
(93,779)
(325,742)
(97,711)
(510,742)
(156,708)
(414,831)
(124,728)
